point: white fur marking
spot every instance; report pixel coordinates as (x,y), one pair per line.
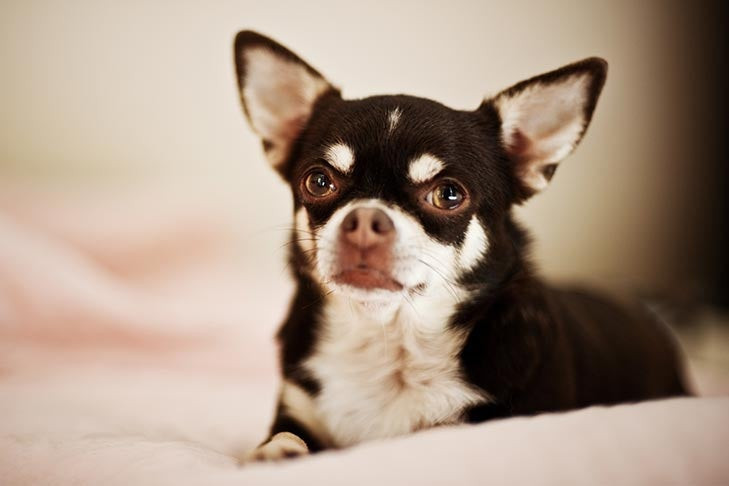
(386,379)
(393,118)
(341,157)
(424,168)
(474,245)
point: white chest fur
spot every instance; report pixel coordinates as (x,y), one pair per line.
(387,376)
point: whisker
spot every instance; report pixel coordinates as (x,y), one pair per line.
(409,300)
(278,228)
(298,240)
(384,336)
(319,299)
(448,284)
(440,265)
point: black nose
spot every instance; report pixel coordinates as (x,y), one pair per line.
(365,227)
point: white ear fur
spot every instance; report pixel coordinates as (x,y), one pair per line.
(544,118)
(278,91)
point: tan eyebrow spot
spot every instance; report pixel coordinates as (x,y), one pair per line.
(341,157)
(425,168)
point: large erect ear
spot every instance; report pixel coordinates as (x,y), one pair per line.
(544,118)
(278,91)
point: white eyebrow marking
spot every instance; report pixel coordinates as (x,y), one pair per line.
(474,245)
(393,118)
(341,157)
(424,168)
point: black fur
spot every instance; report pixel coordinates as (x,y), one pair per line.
(531,347)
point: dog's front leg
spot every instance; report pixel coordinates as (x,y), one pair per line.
(293,432)
(280,446)
(288,439)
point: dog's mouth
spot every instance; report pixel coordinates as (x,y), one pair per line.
(367,278)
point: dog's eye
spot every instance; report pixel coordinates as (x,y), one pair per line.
(446,196)
(318,184)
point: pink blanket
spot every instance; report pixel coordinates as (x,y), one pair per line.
(135,351)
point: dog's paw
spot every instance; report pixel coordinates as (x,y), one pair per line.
(281,446)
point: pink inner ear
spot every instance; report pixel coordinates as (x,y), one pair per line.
(544,119)
(531,165)
(289,129)
(279,94)
(524,150)
(518,145)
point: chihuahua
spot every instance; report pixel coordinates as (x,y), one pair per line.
(416,303)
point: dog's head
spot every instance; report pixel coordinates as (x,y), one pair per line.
(394,195)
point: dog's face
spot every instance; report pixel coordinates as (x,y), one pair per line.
(394,195)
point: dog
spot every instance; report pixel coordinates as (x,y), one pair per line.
(416,302)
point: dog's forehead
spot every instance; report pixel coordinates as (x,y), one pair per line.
(404,135)
(392,147)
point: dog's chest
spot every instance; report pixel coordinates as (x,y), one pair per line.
(382,380)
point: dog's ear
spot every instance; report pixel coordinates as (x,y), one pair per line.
(544,118)
(278,91)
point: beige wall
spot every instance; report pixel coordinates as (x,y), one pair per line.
(109,92)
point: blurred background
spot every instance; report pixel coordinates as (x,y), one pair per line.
(129,97)
(142,270)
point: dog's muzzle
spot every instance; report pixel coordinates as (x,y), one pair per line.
(365,250)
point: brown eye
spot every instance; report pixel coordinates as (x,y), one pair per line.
(318,184)
(446,196)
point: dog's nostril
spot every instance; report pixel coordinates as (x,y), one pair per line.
(381,223)
(350,222)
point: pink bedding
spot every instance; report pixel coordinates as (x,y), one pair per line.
(132,351)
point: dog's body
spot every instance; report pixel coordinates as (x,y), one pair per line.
(416,304)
